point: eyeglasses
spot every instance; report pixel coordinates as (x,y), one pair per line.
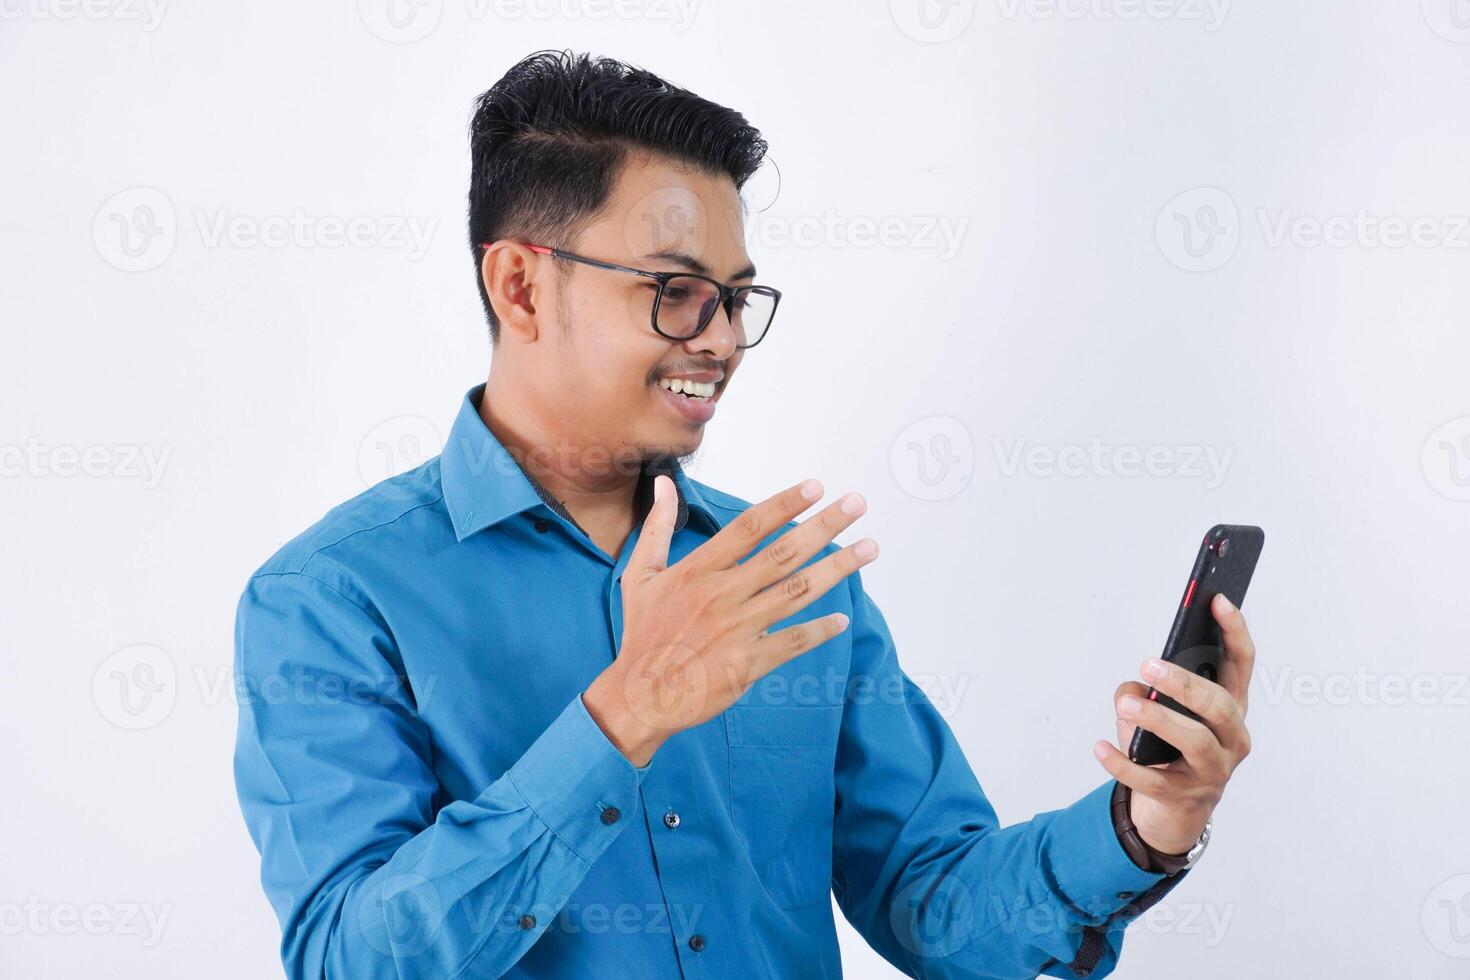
(685,303)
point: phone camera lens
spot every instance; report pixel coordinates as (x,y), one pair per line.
(1224,543)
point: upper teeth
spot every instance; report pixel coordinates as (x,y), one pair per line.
(699,389)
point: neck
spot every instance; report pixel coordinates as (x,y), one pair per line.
(595,483)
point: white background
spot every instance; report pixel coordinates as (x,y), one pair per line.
(1085,307)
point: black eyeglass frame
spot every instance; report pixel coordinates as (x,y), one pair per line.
(725,294)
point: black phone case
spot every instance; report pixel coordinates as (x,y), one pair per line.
(1194,640)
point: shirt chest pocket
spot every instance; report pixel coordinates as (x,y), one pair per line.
(782,794)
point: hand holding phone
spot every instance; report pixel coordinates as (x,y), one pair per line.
(1226,560)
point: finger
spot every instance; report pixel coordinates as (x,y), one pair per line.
(1154,783)
(792,549)
(1213,703)
(735,540)
(806,585)
(772,650)
(1201,750)
(1126,728)
(1240,650)
(651,552)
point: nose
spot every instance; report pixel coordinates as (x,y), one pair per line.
(718,336)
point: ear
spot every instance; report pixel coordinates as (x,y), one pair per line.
(510,271)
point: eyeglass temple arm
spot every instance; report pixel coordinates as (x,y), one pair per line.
(544,250)
(727,292)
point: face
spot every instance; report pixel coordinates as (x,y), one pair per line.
(597,372)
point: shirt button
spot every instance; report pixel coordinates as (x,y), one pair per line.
(542,525)
(696,943)
(527,922)
(671,820)
(610,815)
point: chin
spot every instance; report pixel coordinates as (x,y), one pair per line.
(675,441)
(680,447)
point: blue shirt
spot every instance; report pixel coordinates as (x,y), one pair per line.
(430,797)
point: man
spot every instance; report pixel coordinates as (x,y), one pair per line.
(547,707)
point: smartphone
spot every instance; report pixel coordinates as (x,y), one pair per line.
(1227,558)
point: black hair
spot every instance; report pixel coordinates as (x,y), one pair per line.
(548,140)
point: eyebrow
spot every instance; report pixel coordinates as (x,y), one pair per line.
(694,265)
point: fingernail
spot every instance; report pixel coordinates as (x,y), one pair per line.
(1225,604)
(841,622)
(853,503)
(1128,704)
(866,548)
(811,490)
(1155,669)
(658,489)
(1100,750)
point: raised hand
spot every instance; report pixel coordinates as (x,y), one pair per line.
(694,633)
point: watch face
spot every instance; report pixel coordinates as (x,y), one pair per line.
(1199,846)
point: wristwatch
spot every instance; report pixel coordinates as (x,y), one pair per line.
(1144,856)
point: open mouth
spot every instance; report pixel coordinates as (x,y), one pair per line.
(693,401)
(697,390)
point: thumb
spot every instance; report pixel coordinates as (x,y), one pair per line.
(651,553)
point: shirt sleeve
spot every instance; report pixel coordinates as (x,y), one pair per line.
(332,768)
(923,869)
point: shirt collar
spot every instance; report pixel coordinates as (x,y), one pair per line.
(484,484)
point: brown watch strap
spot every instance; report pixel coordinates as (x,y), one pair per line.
(1142,855)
